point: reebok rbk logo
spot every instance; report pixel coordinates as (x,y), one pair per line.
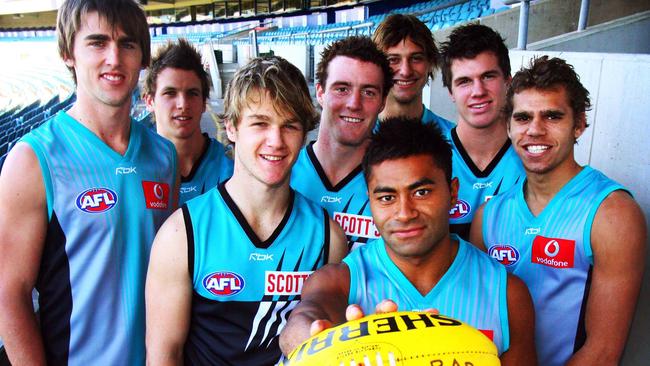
(553,252)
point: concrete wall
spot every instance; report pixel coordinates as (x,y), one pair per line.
(615,143)
(627,35)
(550,18)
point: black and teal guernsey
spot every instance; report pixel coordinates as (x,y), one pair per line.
(212,168)
(347,201)
(243,287)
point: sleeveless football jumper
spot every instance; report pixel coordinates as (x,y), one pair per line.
(552,254)
(472,290)
(347,202)
(103,210)
(476,186)
(244,288)
(429,117)
(212,168)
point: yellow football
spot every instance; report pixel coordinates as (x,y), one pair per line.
(406,338)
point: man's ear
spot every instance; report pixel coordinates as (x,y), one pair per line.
(231,130)
(148,100)
(453,190)
(580,125)
(319,93)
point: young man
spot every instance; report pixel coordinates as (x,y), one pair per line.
(413,58)
(353,78)
(476,71)
(227,269)
(417,263)
(81,198)
(574,236)
(176,91)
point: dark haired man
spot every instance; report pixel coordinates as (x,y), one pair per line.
(413,58)
(176,90)
(573,235)
(476,71)
(417,263)
(81,198)
(353,80)
(227,268)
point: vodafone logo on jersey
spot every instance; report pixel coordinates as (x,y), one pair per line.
(504,254)
(156,195)
(357,225)
(461,210)
(553,252)
(284,283)
(223,283)
(96,200)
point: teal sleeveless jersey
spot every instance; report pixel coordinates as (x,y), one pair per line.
(472,290)
(245,288)
(104,210)
(476,186)
(212,168)
(347,202)
(552,254)
(429,117)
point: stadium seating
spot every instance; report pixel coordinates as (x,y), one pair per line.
(14,125)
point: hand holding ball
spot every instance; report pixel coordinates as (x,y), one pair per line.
(399,338)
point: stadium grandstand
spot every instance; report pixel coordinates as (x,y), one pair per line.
(608,42)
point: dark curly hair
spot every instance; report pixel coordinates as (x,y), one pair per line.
(401,137)
(550,73)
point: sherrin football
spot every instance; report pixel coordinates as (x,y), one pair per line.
(405,338)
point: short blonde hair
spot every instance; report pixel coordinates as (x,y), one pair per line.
(284,83)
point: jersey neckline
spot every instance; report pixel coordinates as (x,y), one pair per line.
(321,172)
(239,216)
(478,173)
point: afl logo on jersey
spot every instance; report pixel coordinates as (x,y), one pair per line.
(461,210)
(96,200)
(504,254)
(223,283)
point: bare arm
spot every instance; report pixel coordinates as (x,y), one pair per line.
(338,243)
(521,320)
(618,238)
(23,228)
(476,230)
(324,300)
(168,294)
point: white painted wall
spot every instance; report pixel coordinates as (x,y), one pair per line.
(616,141)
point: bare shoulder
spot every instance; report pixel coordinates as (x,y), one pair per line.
(619,219)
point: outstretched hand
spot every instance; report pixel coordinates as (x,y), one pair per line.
(354,312)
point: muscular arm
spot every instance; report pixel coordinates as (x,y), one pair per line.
(23,228)
(324,299)
(168,294)
(521,321)
(476,230)
(338,243)
(618,238)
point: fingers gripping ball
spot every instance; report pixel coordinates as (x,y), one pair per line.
(402,338)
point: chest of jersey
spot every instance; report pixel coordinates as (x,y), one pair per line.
(346,202)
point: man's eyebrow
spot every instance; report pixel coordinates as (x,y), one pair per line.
(383,189)
(420,183)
